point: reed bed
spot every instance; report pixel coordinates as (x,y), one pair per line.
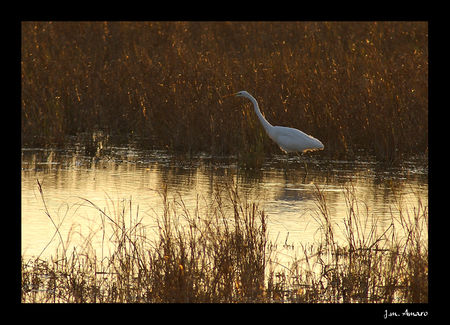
(221,253)
(369,265)
(354,85)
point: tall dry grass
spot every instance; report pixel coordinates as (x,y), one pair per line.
(369,264)
(354,85)
(214,255)
(220,252)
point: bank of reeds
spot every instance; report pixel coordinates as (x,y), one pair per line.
(221,253)
(367,264)
(354,85)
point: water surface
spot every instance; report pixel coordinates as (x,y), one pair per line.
(283,187)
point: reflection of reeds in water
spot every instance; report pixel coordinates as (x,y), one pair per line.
(360,85)
(220,253)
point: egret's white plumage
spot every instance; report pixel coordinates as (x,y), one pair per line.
(289,139)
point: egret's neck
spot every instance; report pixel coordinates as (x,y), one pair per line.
(267,126)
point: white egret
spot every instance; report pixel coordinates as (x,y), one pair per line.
(288,139)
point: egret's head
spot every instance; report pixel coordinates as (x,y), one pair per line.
(242,93)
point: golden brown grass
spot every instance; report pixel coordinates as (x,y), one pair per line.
(221,253)
(354,85)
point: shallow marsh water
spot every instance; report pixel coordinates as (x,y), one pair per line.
(281,187)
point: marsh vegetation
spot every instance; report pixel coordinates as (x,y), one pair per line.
(105,100)
(353,85)
(221,253)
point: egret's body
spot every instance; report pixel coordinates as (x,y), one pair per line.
(288,139)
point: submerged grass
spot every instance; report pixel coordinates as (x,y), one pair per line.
(221,253)
(354,85)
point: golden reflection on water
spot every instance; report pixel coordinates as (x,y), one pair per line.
(287,196)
